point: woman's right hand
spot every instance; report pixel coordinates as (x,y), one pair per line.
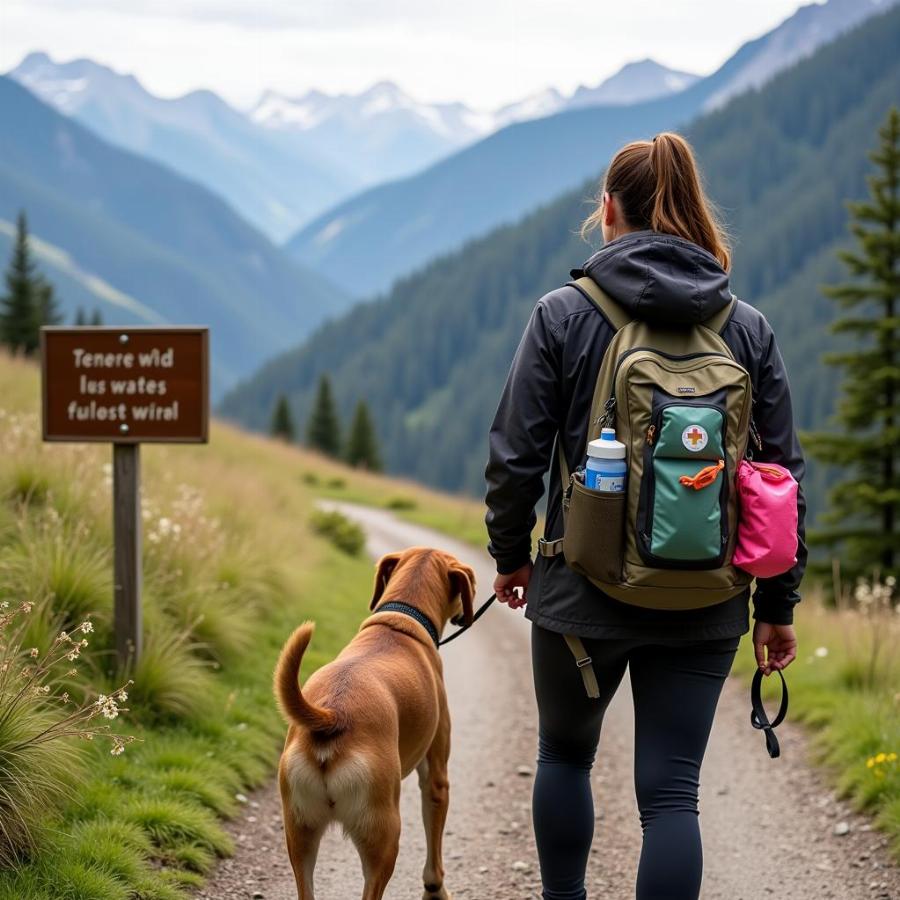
(505,586)
(781,643)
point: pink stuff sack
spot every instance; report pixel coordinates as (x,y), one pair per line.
(767,519)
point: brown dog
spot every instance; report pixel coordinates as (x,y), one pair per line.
(363,722)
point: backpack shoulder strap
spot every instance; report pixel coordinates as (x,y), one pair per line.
(613,313)
(719,320)
(618,318)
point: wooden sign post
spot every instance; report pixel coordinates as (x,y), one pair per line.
(126,386)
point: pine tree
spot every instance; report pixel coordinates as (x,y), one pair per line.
(862,515)
(19,313)
(362,444)
(97,318)
(47,306)
(282,421)
(323,431)
(80,317)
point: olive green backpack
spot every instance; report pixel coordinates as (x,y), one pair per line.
(681,404)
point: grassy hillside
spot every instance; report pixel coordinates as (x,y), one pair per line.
(430,358)
(171,244)
(232,563)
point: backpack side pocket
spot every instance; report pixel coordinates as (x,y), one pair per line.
(594,533)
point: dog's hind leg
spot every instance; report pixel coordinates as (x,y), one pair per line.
(378,847)
(303,848)
(435,787)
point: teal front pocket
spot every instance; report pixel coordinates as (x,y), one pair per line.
(680,526)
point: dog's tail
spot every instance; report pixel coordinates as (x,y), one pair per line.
(290,698)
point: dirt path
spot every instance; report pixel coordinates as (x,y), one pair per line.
(768,825)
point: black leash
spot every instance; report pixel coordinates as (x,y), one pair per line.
(758,717)
(415,613)
(478,614)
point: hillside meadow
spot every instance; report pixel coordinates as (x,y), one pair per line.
(235,556)
(232,565)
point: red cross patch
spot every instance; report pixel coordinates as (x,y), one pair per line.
(694,437)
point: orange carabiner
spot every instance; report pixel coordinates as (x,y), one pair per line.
(704,477)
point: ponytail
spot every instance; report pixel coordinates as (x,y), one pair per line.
(658,187)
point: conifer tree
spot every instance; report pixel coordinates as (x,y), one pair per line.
(19,313)
(282,421)
(47,306)
(864,501)
(97,317)
(362,444)
(323,430)
(80,317)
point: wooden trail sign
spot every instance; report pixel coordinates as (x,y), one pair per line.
(126,386)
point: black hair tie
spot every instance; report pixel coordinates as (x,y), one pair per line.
(758,717)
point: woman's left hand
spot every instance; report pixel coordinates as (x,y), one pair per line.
(505,586)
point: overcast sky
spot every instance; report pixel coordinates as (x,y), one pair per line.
(484,52)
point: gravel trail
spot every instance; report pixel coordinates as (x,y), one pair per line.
(770,827)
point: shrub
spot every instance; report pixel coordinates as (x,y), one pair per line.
(170,679)
(310,478)
(218,622)
(336,483)
(344,534)
(58,568)
(400,503)
(37,723)
(28,483)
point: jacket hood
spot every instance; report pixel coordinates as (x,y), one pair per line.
(659,277)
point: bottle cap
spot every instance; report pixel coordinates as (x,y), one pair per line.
(606,446)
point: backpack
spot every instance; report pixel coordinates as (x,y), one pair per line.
(681,404)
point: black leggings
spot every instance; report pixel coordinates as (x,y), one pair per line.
(676,686)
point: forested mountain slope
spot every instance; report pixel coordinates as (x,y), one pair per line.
(368,241)
(431,357)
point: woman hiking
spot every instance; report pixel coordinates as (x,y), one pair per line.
(665,261)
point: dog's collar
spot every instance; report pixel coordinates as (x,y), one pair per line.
(414,613)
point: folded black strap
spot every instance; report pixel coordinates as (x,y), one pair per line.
(758,717)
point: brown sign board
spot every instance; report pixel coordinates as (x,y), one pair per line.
(125,385)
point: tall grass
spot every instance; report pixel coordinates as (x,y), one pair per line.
(230,567)
(845,685)
(38,720)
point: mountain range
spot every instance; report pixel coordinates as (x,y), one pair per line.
(273,179)
(401,135)
(430,357)
(394,228)
(286,160)
(121,232)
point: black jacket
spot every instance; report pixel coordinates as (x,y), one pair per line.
(660,278)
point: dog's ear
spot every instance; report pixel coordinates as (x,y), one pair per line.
(462,582)
(383,571)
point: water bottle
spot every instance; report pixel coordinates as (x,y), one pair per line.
(605,468)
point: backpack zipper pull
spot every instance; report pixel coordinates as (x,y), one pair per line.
(651,435)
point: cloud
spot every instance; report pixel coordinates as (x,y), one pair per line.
(327,15)
(484,52)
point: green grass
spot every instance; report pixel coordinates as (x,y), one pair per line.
(852,711)
(231,567)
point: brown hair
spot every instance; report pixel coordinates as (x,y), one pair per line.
(658,187)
